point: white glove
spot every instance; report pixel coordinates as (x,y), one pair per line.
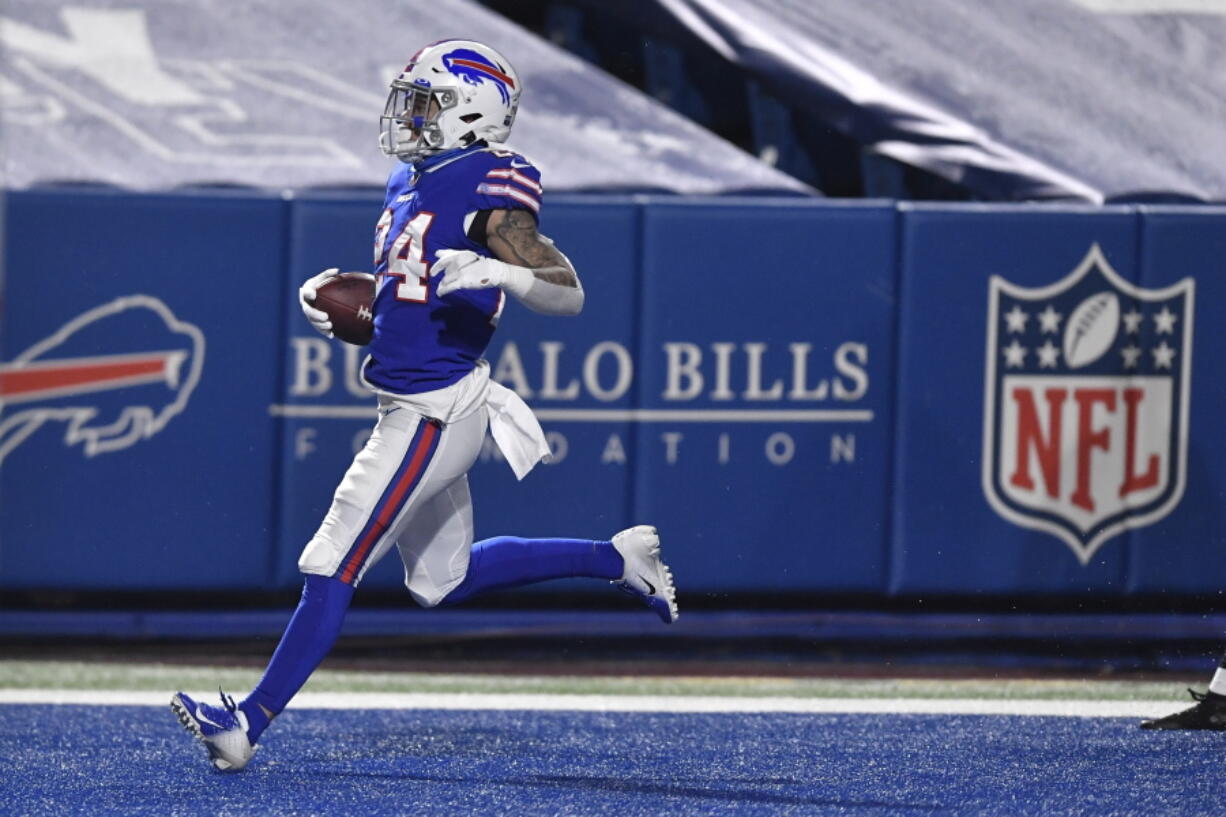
(464,269)
(306,297)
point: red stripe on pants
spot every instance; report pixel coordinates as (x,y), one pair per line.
(392,506)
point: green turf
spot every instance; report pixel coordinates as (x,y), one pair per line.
(118,676)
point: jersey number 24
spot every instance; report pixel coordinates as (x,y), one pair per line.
(407,256)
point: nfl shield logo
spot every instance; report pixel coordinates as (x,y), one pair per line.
(1086,403)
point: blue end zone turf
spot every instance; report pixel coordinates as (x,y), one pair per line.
(136,761)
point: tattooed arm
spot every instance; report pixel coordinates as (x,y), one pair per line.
(512,237)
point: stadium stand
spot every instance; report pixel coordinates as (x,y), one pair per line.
(266,99)
(994,101)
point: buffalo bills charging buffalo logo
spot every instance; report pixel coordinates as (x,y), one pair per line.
(476,69)
(1086,403)
(113,376)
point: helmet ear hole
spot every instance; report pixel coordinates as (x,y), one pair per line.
(469,118)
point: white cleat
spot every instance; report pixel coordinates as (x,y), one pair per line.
(222,730)
(645,574)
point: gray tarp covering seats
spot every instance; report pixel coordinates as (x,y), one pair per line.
(155,94)
(1015,99)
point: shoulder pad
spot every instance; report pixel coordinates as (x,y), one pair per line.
(511,180)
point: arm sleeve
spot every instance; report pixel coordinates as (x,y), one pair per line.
(550,299)
(542,296)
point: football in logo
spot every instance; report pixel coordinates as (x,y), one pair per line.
(1091,329)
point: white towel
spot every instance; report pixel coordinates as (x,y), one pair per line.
(515,429)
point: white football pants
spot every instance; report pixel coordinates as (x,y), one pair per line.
(407,486)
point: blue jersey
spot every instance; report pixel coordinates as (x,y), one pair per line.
(423,342)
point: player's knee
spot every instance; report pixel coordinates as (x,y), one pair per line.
(429,594)
(427,600)
(319,557)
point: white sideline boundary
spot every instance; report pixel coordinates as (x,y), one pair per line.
(630,703)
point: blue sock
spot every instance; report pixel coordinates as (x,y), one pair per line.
(308,637)
(508,561)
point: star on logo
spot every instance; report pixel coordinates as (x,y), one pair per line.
(1048,354)
(1016,319)
(1049,320)
(1132,321)
(1165,321)
(1132,356)
(1163,355)
(1015,354)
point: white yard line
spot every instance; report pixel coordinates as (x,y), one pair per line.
(630,703)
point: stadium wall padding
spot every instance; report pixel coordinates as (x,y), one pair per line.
(805,396)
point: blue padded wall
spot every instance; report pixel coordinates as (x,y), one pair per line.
(118,478)
(771,325)
(1184,549)
(947,538)
(795,392)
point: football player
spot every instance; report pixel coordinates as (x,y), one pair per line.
(1209,711)
(458,232)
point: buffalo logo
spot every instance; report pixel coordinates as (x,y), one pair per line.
(475,69)
(133,392)
(1086,403)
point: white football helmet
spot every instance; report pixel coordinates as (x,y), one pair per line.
(451,94)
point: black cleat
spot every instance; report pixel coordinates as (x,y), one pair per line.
(1208,713)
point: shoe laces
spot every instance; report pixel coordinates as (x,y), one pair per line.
(1212,698)
(231,707)
(1209,698)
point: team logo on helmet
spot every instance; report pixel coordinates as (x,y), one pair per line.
(110,401)
(1086,403)
(476,69)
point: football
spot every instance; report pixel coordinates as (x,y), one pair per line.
(1091,330)
(349,301)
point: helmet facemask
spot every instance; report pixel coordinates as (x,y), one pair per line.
(410,121)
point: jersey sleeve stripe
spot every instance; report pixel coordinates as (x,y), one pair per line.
(526,199)
(517,177)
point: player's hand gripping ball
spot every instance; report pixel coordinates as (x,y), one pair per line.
(341,304)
